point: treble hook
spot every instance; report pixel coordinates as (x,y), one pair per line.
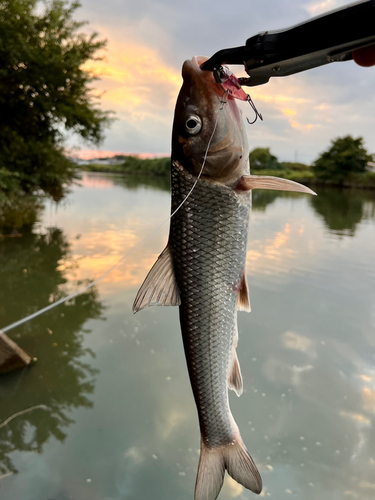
(250,101)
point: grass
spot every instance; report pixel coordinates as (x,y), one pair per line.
(306,176)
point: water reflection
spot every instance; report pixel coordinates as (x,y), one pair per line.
(343,209)
(16,213)
(161,183)
(32,274)
(263,198)
(306,353)
(128,181)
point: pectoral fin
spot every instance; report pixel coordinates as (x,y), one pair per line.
(160,287)
(248,182)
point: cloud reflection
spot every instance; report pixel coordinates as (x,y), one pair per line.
(232,488)
(293,340)
(368,399)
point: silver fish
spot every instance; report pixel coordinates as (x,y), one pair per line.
(202,268)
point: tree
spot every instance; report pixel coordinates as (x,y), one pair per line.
(346,155)
(262,159)
(44,91)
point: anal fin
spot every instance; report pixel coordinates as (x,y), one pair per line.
(235,378)
(243,303)
(160,287)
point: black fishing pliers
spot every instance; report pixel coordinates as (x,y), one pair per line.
(331,37)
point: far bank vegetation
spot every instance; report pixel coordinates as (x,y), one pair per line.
(345,163)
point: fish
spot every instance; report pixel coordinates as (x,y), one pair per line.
(202,268)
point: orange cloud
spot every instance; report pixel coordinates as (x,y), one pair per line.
(278,98)
(291,95)
(131,73)
(299,125)
(289,112)
(369,399)
(322,107)
(90,154)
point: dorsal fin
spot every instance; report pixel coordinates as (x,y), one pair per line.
(243,303)
(160,287)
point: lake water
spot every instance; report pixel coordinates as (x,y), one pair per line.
(119,421)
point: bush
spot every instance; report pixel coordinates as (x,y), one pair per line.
(262,159)
(346,156)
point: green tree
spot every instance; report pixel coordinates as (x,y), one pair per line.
(44,92)
(262,159)
(345,156)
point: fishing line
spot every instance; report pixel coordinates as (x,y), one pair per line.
(93,283)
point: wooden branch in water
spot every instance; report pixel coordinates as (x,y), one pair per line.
(6,475)
(37,407)
(11,355)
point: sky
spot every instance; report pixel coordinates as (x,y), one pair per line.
(148,41)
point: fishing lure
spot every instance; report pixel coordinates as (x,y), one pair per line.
(230,83)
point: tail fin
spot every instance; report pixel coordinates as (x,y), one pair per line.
(241,468)
(212,464)
(211,472)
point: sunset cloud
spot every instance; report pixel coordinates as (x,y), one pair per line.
(148,42)
(316,8)
(289,112)
(131,73)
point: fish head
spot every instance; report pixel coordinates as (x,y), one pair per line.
(205,125)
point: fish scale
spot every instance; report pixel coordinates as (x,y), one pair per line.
(208,240)
(202,268)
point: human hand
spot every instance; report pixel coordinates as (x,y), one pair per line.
(365,57)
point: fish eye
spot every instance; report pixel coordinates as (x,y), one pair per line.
(193,124)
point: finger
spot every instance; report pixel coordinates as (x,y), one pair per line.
(365,56)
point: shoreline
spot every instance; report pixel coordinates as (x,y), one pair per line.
(304,177)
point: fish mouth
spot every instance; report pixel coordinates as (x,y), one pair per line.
(199,60)
(192,72)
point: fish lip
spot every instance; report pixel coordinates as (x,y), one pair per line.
(204,76)
(199,60)
(194,66)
